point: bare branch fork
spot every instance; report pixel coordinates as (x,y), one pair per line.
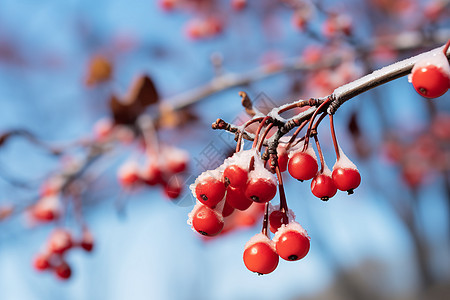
(329,104)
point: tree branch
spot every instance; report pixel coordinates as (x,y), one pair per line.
(376,78)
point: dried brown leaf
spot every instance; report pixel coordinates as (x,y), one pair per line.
(99,70)
(125,113)
(142,90)
(141,94)
(247,104)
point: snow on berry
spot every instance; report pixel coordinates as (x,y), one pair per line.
(216,174)
(176,159)
(205,220)
(437,59)
(60,241)
(299,147)
(292,242)
(128,174)
(240,158)
(261,172)
(322,185)
(198,205)
(47,208)
(345,175)
(259,238)
(343,162)
(260,255)
(292,226)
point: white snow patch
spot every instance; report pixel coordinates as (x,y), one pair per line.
(344,162)
(261,172)
(299,148)
(241,159)
(199,205)
(326,171)
(292,226)
(260,238)
(216,174)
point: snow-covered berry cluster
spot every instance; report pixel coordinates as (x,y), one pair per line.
(53,257)
(250,178)
(238,183)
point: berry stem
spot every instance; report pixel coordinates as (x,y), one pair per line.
(322,161)
(308,132)
(78,210)
(333,136)
(283,202)
(266,220)
(314,128)
(241,132)
(264,136)
(297,131)
(447,45)
(261,125)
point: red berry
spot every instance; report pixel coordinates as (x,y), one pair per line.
(302,166)
(299,20)
(227,209)
(46,209)
(176,166)
(235,176)
(260,256)
(292,245)
(214,26)
(152,174)
(210,191)
(87,241)
(260,190)
(276,219)
(430,81)
(238,5)
(63,271)
(173,188)
(236,198)
(322,186)
(128,175)
(346,179)
(196,29)
(41,262)
(60,241)
(207,222)
(167,5)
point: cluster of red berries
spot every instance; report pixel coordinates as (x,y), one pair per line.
(430,76)
(302,165)
(291,242)
(59,243)
(154,171)
(244,180)
(241,181)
